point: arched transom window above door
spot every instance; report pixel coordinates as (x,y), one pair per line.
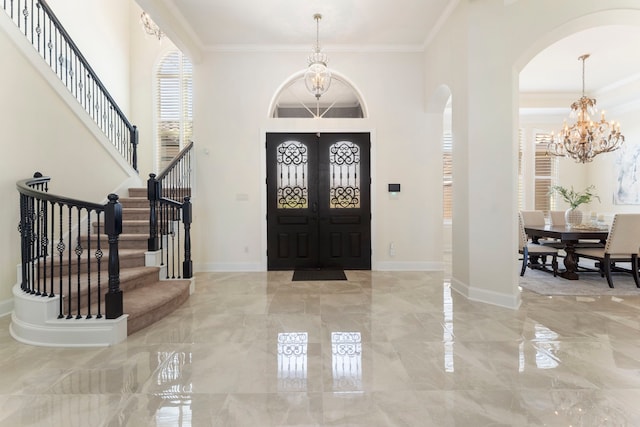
(342,100)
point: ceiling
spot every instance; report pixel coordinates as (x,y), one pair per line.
(345,23)
(393,26)
(613,61)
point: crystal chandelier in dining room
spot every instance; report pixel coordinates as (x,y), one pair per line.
(318,77)
(586,138)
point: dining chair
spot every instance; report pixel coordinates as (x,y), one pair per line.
(623,245)
(557,218)
(528,249)
(535,218)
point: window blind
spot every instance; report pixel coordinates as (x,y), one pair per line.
(447,175)
(545,174)
(520,171)
(174,115)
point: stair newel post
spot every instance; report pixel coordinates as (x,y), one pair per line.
(134,146)
(153,195)
(187,264)
(113,229)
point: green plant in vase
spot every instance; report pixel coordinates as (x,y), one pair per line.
(573,216)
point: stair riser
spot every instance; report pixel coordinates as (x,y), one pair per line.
(137,227)
(129,261)
(138,193)
(124,242)
(134,203)
(135,214)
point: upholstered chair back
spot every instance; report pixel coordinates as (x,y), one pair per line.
(624,236)
(532,218)
(557,218)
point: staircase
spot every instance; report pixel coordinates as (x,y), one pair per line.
(147,297)
(66,271)
(66,306)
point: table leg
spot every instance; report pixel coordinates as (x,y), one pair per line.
(570,263)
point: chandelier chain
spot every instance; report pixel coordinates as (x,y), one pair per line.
(318,77)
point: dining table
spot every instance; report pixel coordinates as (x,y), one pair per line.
(569,236)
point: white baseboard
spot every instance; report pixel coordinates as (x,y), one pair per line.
(409,266)
(6,307)
(511,301)
(380,266)
(228,267)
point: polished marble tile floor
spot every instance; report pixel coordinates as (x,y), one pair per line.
(381,349)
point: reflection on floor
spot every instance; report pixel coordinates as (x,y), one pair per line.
(382,349)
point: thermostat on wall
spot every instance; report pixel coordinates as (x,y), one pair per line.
(394,188)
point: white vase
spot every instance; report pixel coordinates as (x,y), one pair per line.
(573,217)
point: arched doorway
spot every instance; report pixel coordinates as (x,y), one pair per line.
(550,80)
(318,199)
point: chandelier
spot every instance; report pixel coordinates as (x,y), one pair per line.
(318,77)
(585,139)
(150,27)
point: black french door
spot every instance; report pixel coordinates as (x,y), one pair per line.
(318,200)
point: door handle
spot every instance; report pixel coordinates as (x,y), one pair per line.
(314,207)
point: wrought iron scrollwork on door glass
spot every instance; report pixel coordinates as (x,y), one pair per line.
(292,182)
(344,188)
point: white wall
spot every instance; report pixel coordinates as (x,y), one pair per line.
(100,28)
(603,171)
(232,92)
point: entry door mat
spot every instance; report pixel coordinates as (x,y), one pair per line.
(315,274)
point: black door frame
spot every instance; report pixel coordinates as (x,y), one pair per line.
(371,201)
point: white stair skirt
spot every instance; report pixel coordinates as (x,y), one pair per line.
(35,321)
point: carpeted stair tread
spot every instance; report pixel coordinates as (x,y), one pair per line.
(151,303)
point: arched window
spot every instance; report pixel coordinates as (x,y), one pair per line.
(174,114)
(340,101)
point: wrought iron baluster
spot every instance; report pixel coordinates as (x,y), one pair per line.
(61,248)
(25,15)
(44,243)
(69,275)
(50,46)
(39,29)
(172,233)
(78,251)
(89,264)
(52,239)
(98,256)
(165,236)
(32,246)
